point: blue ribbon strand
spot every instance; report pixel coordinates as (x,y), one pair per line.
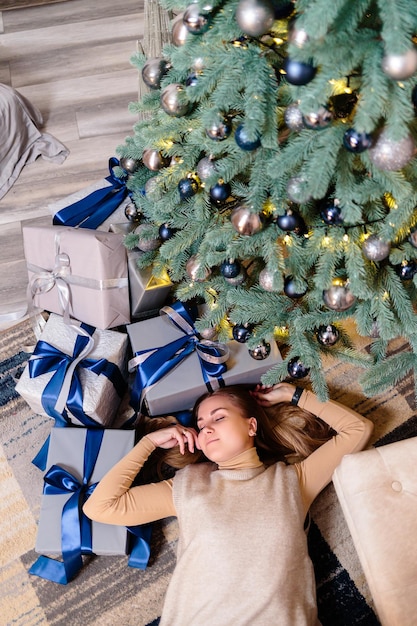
(162,360)
(91,211)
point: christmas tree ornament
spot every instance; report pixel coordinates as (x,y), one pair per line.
(407,270)
(166,232)
(298,72)
(331,213)
(375,249)
(146,244)
(297,36)
(297,190)
(195,21)
(255,17)
(260,352)
(400,66)
(206,167)
(297,369)
(374,331)
(317,120)
(219,129)
(245,222)
(174,100)
(154,160)
(153,72)
(282,10)
(327,335)
(230,268)
(179,31)
(132,213)
(290,221)
(267,279)
(338,297)
(192,80)
(198,64)
(237,280)
(387,154)
(356,142)
(220,192)
(193,268)
(412,238)
(209,333)
(290,288)
(129,164)
(188,187)
(152,189)
(414,97)
(242,332)
(244,142)
(293,117)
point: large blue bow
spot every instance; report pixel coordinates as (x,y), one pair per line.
(153,364)
(91,211)
(48,358)
(76,530)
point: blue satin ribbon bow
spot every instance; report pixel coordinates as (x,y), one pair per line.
(153,364)
(76,529)
(48,358)
(91,211)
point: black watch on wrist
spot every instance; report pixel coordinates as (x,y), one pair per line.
(297,395)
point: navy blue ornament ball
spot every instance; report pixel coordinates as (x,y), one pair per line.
(297,72)
(243,141)
(187,187)
(356,142)
(297,369)
(289,221)
(166,232)
(282,10)
(331,214)
(290,289)
(241,332)
(407,270)
(220,192)
(192,80)
(230,269)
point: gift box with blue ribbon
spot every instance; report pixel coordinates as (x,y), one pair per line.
(174,366)
(75,378)
(77,459)
(79,273)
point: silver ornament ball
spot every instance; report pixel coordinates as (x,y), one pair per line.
(261,352)
(297,190)
(206,167)
(209,333)
(413,238)
(179,31)
(193,268)
(293,117)
(129,164)
(255,17)
(245,222)
(174,100)
(297,36)
(154,160)
(152,188)
(194,19)
(400,66)
(145,244)
(390,155)
(132,213)
(328,335)
(237,280)
(338,297)
(375,249)
(267,279)
(317,120)
(153,71)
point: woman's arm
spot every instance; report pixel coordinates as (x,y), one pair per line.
(115,501)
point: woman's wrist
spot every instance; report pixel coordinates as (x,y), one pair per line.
(296,396)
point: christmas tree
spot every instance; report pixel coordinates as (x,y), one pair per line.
(274,177)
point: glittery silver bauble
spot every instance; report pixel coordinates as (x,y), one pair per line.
(154,160)
(145,244)
(387,154)
(132,213)
(206,167)
(152,189)
(255,17)
(375,249)
(413,238)
(338,297)
(400,66)
(129,164)
(327,335)
(374,332)
(261,352)
(293,117)
(237,280)
(297,190)
(219,129)
(317,120)
(245,222)
(179,31)
(174,100)
(153,71)
(267,279)
(196,22)
(193,268)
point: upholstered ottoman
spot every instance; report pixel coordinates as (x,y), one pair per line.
(377,490)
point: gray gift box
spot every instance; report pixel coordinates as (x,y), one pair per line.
(147,292)
(66,449)
(180,388)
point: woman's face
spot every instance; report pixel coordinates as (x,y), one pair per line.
(222,431)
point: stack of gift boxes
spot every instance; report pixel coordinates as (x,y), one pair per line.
(95,368)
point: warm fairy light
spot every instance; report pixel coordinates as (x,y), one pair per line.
(385,295)
(390,201)
(325,241)
(363,237)
(281,332)
(287,240)
(278,41)
(345,237)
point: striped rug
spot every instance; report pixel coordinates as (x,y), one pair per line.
(107,591)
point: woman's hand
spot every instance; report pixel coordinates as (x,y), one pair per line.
(172,436)
(268,396)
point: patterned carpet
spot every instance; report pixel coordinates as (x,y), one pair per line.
(107,591)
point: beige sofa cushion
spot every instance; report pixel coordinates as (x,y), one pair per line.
(377,490)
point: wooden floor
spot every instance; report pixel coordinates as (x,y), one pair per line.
(72,61)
